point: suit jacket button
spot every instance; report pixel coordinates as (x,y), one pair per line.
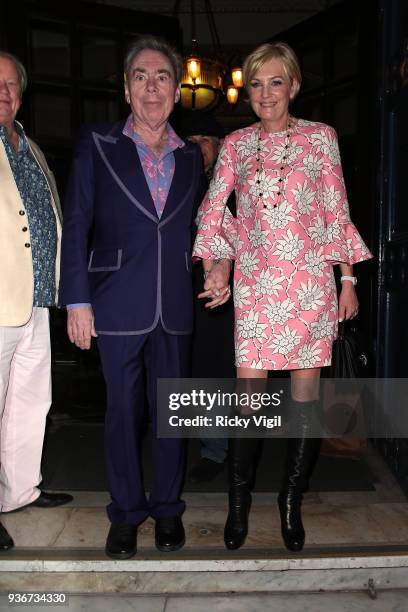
(27,245)
(21,212)
(24,229)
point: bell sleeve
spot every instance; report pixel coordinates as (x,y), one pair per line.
(216,232)
(343,242)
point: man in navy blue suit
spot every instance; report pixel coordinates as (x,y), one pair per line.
(126,279)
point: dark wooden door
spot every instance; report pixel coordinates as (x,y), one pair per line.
(392,294)
(354,60)
(392,330)
(337,53)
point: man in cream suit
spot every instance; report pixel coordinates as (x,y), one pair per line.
(30,228)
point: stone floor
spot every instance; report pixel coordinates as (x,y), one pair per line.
(346,532)
(337,519)
(334,521)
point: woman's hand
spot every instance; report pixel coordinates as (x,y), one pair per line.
(216,286)
(348,302)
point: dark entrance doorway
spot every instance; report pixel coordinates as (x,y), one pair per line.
(392,198)
(355,65)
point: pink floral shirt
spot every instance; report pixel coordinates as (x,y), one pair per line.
(158,171)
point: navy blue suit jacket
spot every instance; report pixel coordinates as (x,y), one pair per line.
(134,268)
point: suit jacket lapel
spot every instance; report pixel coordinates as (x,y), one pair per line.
(182,183)
(120,156)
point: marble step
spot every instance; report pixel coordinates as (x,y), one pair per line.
(355,541)
(372,569)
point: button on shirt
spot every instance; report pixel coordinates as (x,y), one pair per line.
(158,171)
(40,219)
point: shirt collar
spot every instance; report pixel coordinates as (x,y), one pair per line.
(23,143)
(174,141)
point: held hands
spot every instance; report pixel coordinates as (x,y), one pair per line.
(348,302)
(80,326)
(216,286)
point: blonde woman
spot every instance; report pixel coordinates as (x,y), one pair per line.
(292,226)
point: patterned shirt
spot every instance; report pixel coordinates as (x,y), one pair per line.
(158,171)
(35,194)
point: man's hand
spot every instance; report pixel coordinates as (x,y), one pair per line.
(216,285)
(80,326)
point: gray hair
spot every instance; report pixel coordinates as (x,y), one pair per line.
(153,43)
(21,71)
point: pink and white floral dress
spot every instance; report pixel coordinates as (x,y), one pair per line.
(284,290)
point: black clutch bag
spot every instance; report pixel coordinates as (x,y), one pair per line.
(349,360)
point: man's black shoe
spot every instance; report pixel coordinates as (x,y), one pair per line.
(45,500)
(6,541)
(121,541)
(205,470)
(169,534)
(50,500)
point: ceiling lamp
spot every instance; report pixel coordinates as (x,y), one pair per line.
(193,68)
(202,77)
(237,78)
(203,90)
(232,94)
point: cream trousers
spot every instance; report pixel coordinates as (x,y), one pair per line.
(25,399)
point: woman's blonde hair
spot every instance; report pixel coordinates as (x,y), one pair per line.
(277,50)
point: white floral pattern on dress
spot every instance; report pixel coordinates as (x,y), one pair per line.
(243,170)
(248,263)
(248,145)
(285,341)
(304,197)
(284,248)
(267,185)
(323,327)
(278,217)
(331,197)
(289,246)
(249,326)
(280,152)
(318,231)
(309,296)
(279,312)
(314,262)
(220,248)
(242,294)
(308,355)
(267,283)
(257,236)
(241,352)
(217,186)
(313,166)
(245,204)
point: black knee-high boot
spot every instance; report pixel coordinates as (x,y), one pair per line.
(242,456)
(302,455)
